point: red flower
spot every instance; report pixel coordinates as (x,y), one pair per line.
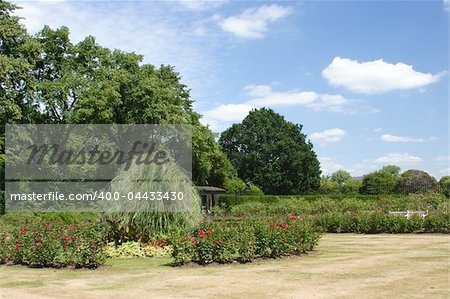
(66,238)
(218,242)
(18,246)
(293,217)
(38,240)
(24,228)
(209,233)
(58,236)
(274,225)
(283,225)
(65,245)
(194,241)
(74,239)
(201,233)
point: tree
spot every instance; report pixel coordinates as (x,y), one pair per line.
(378,182)
(340,177)
(444,184)
(415,181)
(47,79)
(391,169)
(272,153)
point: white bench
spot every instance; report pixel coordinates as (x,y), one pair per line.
(409,214)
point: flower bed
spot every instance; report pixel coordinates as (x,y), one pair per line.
(46,244)
(244,241)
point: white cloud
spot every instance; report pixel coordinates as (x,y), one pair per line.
(375,76)
(328,136)
(328,166)
(264,96)
(252,22)
(398,158)
(394,138)
(222,116)
(201,5)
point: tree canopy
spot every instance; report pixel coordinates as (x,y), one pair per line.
(47,79)
(272,153)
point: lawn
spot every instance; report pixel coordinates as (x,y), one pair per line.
(345,265)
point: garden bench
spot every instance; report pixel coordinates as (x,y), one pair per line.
(409,214)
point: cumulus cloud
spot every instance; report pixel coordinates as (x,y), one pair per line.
(376,76)
(398,158)
(252,22)
(223,115)
(264,96)
(328,136)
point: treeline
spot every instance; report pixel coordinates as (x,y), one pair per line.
(387,180)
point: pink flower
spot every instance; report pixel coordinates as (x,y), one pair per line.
(274,225)
(283,225)
(209,233)
(218,242)
(18,246)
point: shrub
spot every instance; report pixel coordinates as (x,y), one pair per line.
(52,244)
(415,181)
(376,222)
(140,220)
(444,184)
(244,240)
(378,182)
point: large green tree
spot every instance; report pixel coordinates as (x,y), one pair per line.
(46,78)
(272,153)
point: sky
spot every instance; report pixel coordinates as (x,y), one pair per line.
(367,80)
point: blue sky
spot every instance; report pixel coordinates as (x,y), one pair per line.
(367,80)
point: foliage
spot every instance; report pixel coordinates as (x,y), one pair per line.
(47,244)
(444,184)
(238,187)
(391,169)
(140,220)
(47,79)
(340,177)
(267,206)
(377,222)
(378,182)
(415,181)
(244,240)
(272,153)
(348,186)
